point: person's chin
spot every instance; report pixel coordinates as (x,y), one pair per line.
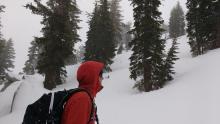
(100,88)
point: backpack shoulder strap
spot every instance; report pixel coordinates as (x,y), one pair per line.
(73,91)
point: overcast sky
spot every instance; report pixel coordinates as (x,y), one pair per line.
(20,25)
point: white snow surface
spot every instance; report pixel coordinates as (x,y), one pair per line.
(193,97)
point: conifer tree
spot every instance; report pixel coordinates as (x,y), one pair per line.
(126,36)
(146,61)
(60,20)
(192,27)
(202,27)
(2,44)
(169,62)
(1,10)
(214,22)
(177,22)
(2,58)
(120,49)
(91,45)
(9,54)
(116,16)
(100,44)
(31,63)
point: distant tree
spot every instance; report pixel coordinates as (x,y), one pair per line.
(177,22)
(10,54)
(92,48)
(116,17)
(1,10)
(31,63)
(2,58)
(146,61)
(80,54)
(7,63)
(60,20)
(7,56)
(7,53)
(120,49)
(100,45)
(2,45)
(126,36)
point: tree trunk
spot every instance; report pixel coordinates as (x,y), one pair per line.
(58,78)
(218,36)
(147,82)
(50,80)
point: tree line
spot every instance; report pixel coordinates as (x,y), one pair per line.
(49,54)
(150,65)
(7,55)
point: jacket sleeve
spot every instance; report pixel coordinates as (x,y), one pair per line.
(77,109)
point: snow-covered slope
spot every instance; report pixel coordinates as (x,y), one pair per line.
(193,97)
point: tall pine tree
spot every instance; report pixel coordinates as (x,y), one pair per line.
(2,42)
(2,58)
(203,25)
(214,21)
(116,16)
(146,61)
(177,22)
(7,63)
(126,36)
(100,45)
(1,10)
(92,48)
(7,56)
(31,63)
(60,20)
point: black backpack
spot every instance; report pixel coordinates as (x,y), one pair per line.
(48,108)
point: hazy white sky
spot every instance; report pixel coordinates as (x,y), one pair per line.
(20,25)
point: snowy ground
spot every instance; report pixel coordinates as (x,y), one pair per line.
(193,97)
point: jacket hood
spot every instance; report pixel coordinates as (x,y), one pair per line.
(88,76)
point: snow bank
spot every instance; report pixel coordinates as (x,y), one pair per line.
(7,97)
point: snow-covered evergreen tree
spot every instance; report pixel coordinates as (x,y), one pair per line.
(7,53)
(116,17)
(146,61)
(2,45)
(177,22)
(203,25)
(60,20)
(169,62)
(31,63)
(100,45)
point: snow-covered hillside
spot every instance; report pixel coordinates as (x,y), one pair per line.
(193,97)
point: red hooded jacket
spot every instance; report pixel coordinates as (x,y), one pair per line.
(77,110)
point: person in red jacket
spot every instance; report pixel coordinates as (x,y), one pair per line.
(78,108)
